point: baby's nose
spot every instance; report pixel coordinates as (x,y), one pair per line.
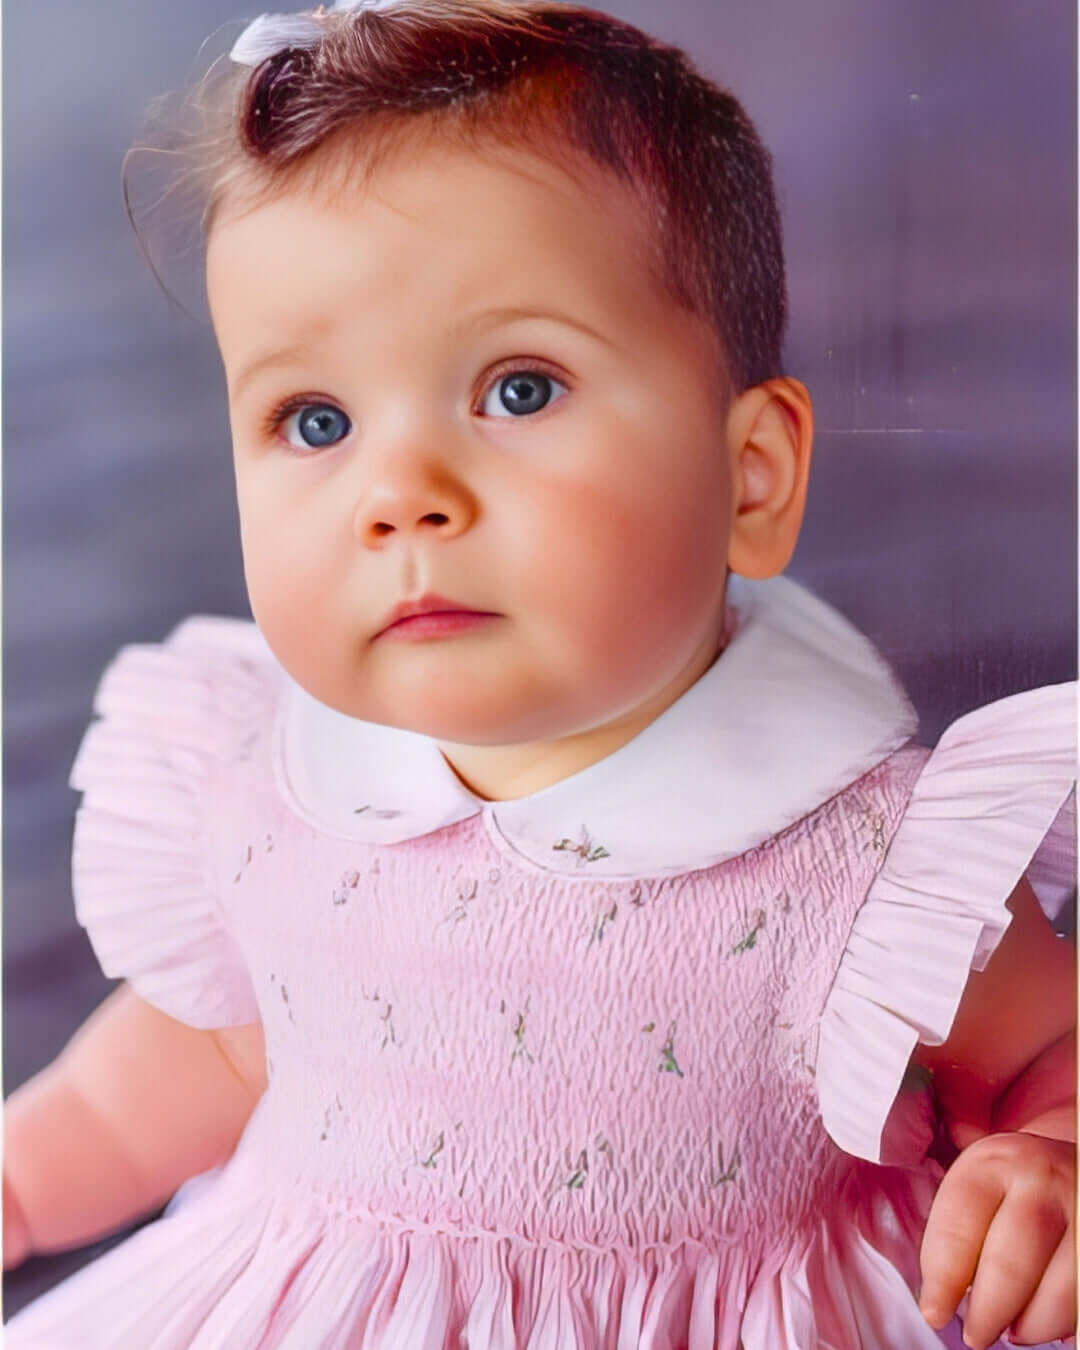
(378,529)
(438,507)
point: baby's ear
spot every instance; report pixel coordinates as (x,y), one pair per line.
(770,431)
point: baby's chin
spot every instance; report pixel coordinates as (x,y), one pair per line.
(462,715)
(459,726)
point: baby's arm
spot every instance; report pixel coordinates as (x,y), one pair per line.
(135,1104)
(1043,1099)
(1011,1031)
(1002,1221)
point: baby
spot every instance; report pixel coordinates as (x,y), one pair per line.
(528,924)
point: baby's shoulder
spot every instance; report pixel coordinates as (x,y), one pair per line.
(175,722)
(198,695)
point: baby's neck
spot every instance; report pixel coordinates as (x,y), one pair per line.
(505,772)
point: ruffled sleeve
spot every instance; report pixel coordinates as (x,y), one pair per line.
(168,715)
(994,800)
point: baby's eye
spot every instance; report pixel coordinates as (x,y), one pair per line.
(316,424)
(520,392)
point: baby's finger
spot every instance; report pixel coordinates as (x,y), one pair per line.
(959,1218)
(1017,1248)
(1052,1312)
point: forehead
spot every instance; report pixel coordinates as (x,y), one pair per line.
(460,222)
(351,169)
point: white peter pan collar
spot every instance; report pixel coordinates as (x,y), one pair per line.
(797,706)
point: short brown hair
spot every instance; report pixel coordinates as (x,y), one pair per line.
(548,74)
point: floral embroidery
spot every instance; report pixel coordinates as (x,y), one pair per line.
(466,894)
(520,1050)
(328,1115)
(437,1153)
(430,1160)
(284,997)
(578,1177)
(350,879)
(584,848)
(607,917)
(576,1180)
(390,1037)
(668,1062)
(246,861)
(876,821)
(726,1173)
(750,940)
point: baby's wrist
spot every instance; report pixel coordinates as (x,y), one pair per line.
(1057,1123)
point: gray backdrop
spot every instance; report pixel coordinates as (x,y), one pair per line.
(925,156)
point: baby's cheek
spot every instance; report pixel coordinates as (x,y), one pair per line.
(276,583)
(630,605)
(659,575)
(292,601)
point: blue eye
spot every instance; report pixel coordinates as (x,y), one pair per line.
(521,392)
(317,425)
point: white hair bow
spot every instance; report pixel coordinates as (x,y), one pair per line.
(269,33)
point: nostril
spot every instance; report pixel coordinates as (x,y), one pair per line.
(384,527)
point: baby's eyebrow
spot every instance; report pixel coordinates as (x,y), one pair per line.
(280,356)
(488,318)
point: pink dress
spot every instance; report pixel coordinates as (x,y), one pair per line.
(621,1065)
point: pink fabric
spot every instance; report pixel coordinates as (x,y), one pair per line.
(994,800)
(507,1109)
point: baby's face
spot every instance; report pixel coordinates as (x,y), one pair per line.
(482,393)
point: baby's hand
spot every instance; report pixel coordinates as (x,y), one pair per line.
(1002,1222)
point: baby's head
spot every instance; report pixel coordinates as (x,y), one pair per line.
(499,293)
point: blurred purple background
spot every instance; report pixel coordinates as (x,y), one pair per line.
(926,162)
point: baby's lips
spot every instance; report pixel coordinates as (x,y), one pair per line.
(428,603)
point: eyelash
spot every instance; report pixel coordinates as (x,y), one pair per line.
(272,423)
